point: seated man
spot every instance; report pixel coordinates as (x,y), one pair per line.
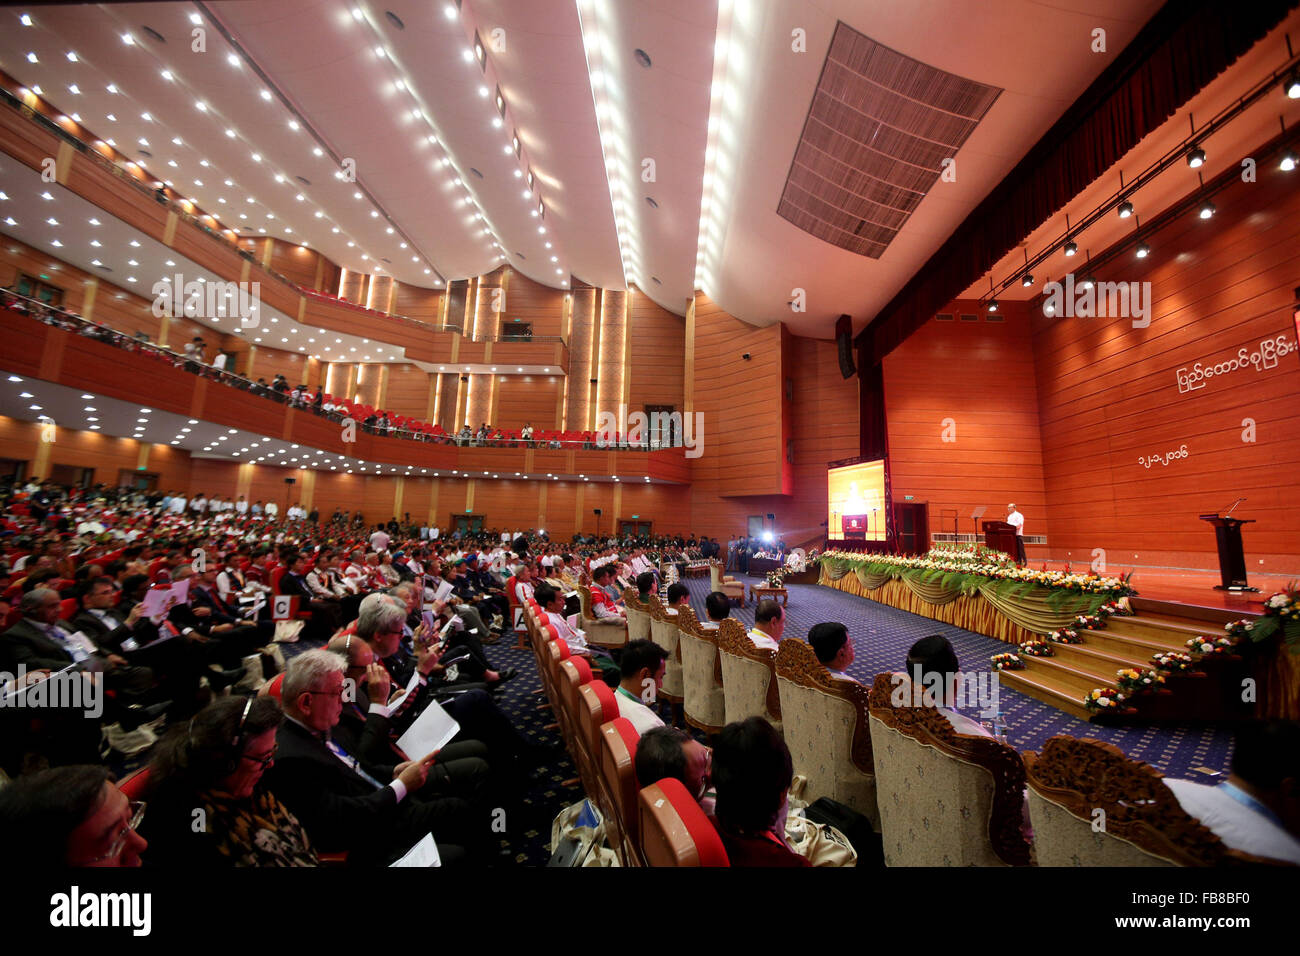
(642,666)
(932,663)
(1257,809)
(830,642)
(70,816)
(646,585)
(551,602)
(769,624)
(603,606)
(679,595)
(670,752)
(752,772)
(718,607)
(341,805)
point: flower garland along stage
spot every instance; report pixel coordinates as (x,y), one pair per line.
(977,589)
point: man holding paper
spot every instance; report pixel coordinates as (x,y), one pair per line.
(341,804)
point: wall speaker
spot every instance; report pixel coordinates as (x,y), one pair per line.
(844,342)
(290,481)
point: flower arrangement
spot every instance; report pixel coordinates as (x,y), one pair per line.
(1281,613)
(776,578)
(1239,629)
(1103,699)
(1120,608)
(1037,649)
(973,553)
(1065,636)
(1089,622)
(1132,681)
(942,560)
(1007,662)
(1173,662)
(1210,646)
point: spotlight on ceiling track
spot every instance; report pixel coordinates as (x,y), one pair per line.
(1206,210)
(1291,86)
(1026,280)
(992,305)
(1288,162)
(1142,251)
(1071,248)
(1088,282)
(1125,209)
(1196,157)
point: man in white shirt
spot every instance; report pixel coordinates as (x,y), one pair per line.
(1257,809)
(932,662)
(241,506)
(199,504)
(769,624)
(552,604)
(1014,517)
(642,669)
(379,540)
(177,506)
(272,509)
(830,642)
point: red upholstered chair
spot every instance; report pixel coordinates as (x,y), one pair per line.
(272,687)
(135,785)
(67,609)
(595,706)
(515,610)
(572,673)
(156,565)
(277,573)
(12,618)
(674,829)
(618,743)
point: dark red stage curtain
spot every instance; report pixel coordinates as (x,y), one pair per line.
(1185,46)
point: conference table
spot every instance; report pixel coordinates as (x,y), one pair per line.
(760,566)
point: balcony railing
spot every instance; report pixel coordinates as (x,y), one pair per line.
(159,195)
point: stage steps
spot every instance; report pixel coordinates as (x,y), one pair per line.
(1063,680)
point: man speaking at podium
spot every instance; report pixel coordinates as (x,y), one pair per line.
(1014,517)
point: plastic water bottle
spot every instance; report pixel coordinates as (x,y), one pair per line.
(999,728)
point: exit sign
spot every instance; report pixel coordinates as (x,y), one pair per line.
(907,497)
(634,517)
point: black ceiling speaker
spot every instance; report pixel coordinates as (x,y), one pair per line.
(596,512)
(844,342)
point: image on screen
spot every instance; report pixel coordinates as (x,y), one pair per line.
(856,501)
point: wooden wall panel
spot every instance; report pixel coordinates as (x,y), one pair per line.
(533,302)
(980,376)
(417,303)
(527,398)
(740,400)
(658,346)
(1112,396)
(408,390)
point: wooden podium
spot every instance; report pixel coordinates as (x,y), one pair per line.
(1232,559)
(1000,536)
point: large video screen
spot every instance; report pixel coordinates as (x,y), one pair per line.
(856,501)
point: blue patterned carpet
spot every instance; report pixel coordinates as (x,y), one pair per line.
(881,636)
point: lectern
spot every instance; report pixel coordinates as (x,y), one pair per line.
(1232,560)
(1000,536)
(854,526)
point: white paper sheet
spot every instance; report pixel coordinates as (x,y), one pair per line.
(423,854)
(430,732)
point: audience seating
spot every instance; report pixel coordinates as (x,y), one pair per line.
(638,616)
(704,703)
(596,706)
(1071,780)
(664,632)
(618,743)
(749,685)
(674,829)
(946,799)
(826,727)
(733,589)
(600,633)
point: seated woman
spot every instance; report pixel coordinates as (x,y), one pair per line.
(752,772)
(207,772)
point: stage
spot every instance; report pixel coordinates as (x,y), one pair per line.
(1170,608)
